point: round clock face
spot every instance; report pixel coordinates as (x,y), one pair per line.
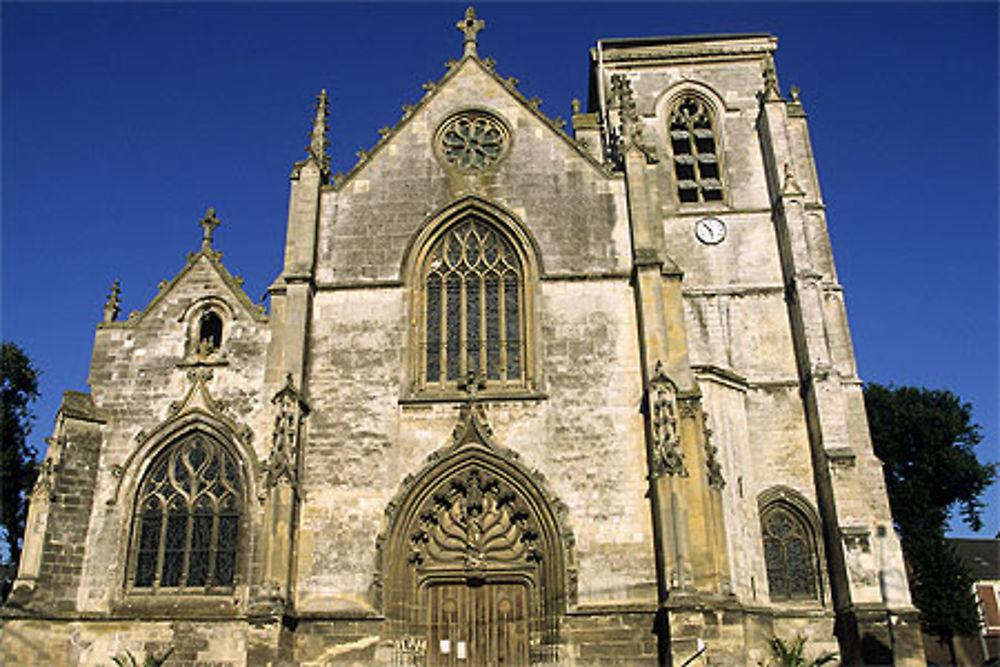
(710,230)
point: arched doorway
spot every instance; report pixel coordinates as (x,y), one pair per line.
(475,560)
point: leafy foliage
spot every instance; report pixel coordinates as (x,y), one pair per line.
(926,440)
(792,654)
(128,660)
(18,389)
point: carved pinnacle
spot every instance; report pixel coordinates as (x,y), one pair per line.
(771,90)
(317,137)
(113,305)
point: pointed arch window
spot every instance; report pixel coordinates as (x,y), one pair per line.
(472,308)
(694,147)
(789,554)
(210,331)
(186,527)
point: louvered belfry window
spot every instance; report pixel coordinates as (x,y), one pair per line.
(693,142)
(789,554)
(188,519)
(473,307)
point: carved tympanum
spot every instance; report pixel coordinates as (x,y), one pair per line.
(474,522)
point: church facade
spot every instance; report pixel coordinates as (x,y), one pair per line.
(524,393)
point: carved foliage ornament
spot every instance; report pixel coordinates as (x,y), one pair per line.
(714,468)
(474,522)
(282,463)
(472,141)
(667,456)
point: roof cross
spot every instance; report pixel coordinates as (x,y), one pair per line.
(470,27)
(208,223)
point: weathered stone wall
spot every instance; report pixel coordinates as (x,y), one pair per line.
(46,643)
(362,441)
(70,491)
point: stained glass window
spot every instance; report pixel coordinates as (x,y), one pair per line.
(695,152)
(187,519)
(473,307)
(789,554)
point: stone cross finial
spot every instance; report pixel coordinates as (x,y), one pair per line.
(113,305)
(208,223)
(470,27)
(471,384)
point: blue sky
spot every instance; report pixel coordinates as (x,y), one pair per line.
(123,122)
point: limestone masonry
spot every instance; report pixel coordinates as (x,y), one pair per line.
(525,393)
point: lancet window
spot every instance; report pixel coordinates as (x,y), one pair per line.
(187,522)
(694,145)
(473,288)
(210,331)
(789,554)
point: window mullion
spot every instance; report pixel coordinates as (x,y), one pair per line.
(481,371)
(522,327)
(502,308)
(213,547)
(188,530)
(443,333)
(161,546)
(463,323)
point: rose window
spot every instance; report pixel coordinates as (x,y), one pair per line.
(472,142)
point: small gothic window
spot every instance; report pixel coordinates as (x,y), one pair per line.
(187,519)
(789,553)
(695,151)
(210,331)
(473,284)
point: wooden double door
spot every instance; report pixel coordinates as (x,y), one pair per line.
(478,624)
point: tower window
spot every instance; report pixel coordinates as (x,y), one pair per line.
(695,152)
(210,332)
(473,307)
(789,554)
(187,519)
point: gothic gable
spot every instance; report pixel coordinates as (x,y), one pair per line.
(472,134)
(203,272)
(471,85)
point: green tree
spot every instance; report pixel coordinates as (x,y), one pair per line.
(926,439)
(18,389)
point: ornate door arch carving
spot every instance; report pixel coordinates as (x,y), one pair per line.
(476,559)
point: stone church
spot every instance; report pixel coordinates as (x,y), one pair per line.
(524,393)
